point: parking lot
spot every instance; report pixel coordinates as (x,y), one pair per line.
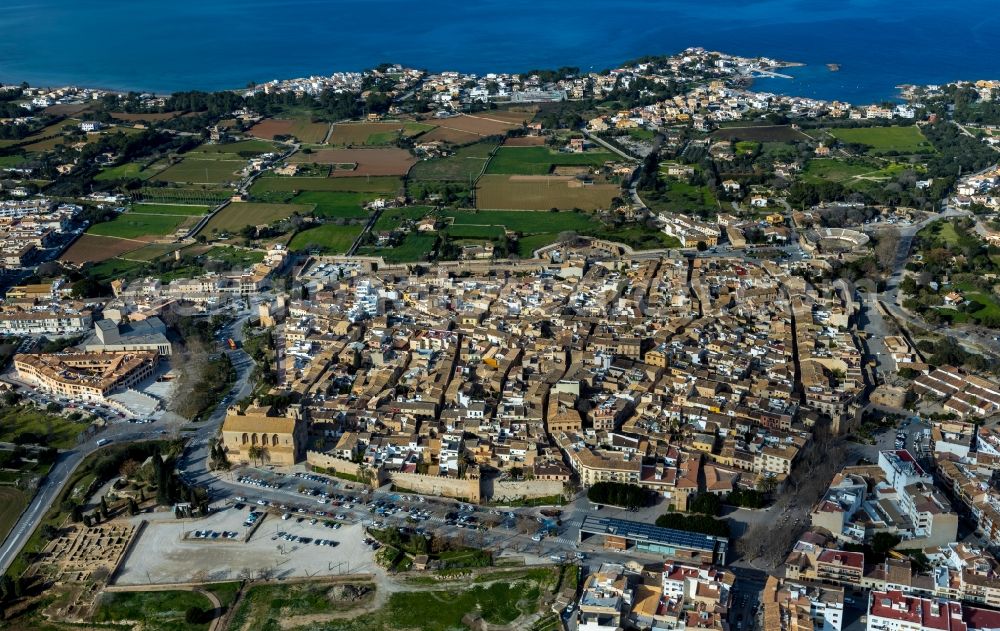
(168,551)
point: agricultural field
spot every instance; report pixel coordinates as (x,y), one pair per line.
(247,148)
(541,160)
(760,133)
(375,134)
(304,130)
(469,128)
(328,238)
(359,162)
(180,195)
(883,140)
(142,117)
(525,222)
(346,205)
(170,209)
(462,166)
(130,225)
(524,141)
(92,248)
(203,171)
(238,215)
(525,192)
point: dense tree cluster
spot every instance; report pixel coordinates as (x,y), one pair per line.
(618,494)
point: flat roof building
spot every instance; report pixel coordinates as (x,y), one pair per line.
(680,545)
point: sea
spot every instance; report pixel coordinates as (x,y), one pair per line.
(171,45)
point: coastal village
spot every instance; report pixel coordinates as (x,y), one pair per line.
(638,349)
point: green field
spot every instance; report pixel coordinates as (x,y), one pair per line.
(124,171)
(390,218)
(415,247)
(23,423)
(242,148)
(129,225)
(163,611)
(467,162)
(12,161)
(328,238)
(114,268)
(883,140)
(540,160)
(179,195)
(336,204)
(237,215)
(202,171)
(375,134)
(475,232)
(834,170)
(364,184)
(170,209)
(13,501)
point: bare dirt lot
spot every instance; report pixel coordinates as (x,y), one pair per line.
(162,554)
(388,161)
(93,248)
(467,128)
(304,130)
(524,141)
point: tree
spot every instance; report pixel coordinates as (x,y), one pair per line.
(706,504)
(133,508)
(76,514)
(883,542)
(104,507)
(194,615)
(702,246)
(255,453)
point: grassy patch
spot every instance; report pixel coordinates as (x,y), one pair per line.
(500,603)
(391,218)
(13,501)
(540,160)
(124,171)
(31,425)
(329,238)
(415,247)
(154,610)
(834,170)
(264,606)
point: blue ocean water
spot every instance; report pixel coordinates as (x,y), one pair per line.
(169,45)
